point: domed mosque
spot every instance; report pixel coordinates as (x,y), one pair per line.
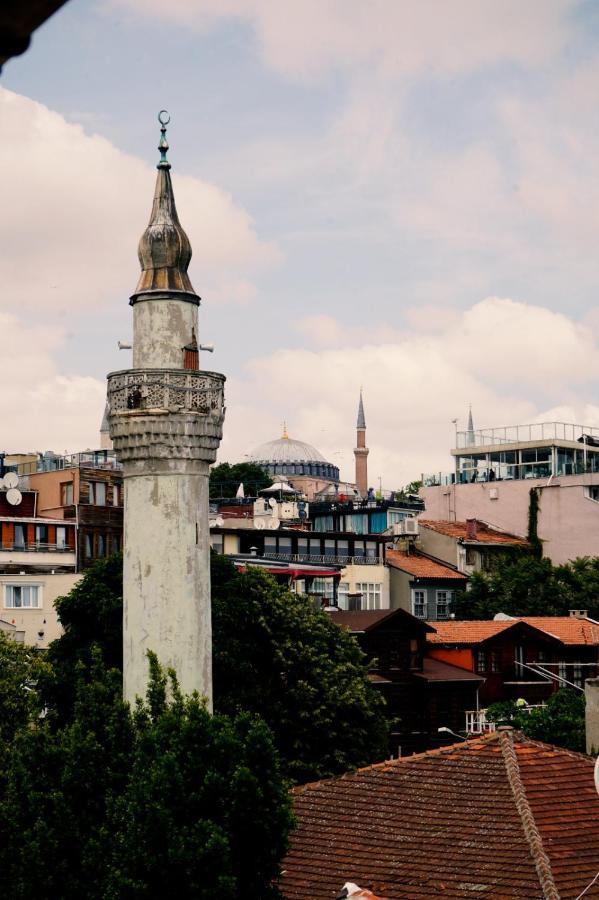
(301,464)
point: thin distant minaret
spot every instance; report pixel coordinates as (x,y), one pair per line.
(470,436)
(361,451)
(166,421)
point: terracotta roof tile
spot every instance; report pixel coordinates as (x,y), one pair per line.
(421,566)
(457,631)
(485,534)
(496,816)
(569,629)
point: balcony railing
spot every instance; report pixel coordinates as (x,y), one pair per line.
(477,722)
(535,431)
(36,547)
(172,389)
(325,559)
(89,459)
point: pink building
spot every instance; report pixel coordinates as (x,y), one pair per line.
(495,470)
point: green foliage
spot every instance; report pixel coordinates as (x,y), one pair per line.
(277,656)
(165,801)
(226,478)
(91,614)
(21,667)
(529,586)
(560,722)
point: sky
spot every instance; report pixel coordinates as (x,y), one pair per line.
(391,195)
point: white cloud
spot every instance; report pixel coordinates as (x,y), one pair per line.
(43,409)
(304,37)
(502,356)
(75,207)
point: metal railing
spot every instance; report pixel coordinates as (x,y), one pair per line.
(477,722)
(514,434)
(325,559)
(89,459)
(36,547)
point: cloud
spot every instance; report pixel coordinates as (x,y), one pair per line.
(513,361)
(75,207)
(44,409)
(326,331)
(399,37)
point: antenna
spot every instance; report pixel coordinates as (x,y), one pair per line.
(123,346)
(10,480)
(207,348)
(14,496)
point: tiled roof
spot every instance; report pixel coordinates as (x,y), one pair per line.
(421,566)
(435,670)
(569,629)
(497,816)
(456,631)
(484,534)
(367,619)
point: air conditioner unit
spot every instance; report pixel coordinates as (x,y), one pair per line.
(410,525)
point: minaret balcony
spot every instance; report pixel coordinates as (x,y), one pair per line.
(166,390)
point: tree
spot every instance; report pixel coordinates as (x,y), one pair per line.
(561,721)
(91,614)
(525,585)
(166,799)
(274,655)
(225,479)
(21,667)
(277,656)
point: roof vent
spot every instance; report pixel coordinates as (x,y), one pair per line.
(579,613)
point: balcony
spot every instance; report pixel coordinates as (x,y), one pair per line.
(477,722)
(90,459)
(325,559)
(175,390)
(37,553)
(535,432)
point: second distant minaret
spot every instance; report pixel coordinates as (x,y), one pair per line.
(361,452)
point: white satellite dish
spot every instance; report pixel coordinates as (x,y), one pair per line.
(10,480)
(220,521)
(597,774)
(272,503)
(272,524)
(14,496)
(259,524)
(212,523)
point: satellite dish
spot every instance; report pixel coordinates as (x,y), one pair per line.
(597,774)
(220,521)
(259,524)
(212,523)
(14,496)
(272,524)
(10,480)
(272,503)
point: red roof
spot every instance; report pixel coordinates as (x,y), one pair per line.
(496,816)
(569,629)
(484,534)
(361,620)
(457,631)
(421,566)
(435,670)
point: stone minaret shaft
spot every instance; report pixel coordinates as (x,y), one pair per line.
(361,452)
(166,422)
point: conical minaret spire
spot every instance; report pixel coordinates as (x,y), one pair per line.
(470,433)
(164,250)
(361,451)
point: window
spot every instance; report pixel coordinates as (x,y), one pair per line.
(371,594)
(324,587)
(101,545)
(97,493)
(116,494)
(577,674)
(41,534)
(495,661)
(88,546)
(116,543)
(481,661)
(66,493)
(19,537)
(562,671)
(419,604)
(270,545)
(342,592)
(61,537)
(444,601)
(22,596)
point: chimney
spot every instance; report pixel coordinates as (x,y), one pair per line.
(579,613)
(471,529)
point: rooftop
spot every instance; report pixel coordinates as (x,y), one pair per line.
(574,630)
(421,567)
(535,432)
(476,631)
(484,533)
(363,620)
(495,816)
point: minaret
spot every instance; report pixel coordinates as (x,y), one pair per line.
(361,452)
(166,421)
(470,436)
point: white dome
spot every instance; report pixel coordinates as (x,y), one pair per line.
(286,450)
